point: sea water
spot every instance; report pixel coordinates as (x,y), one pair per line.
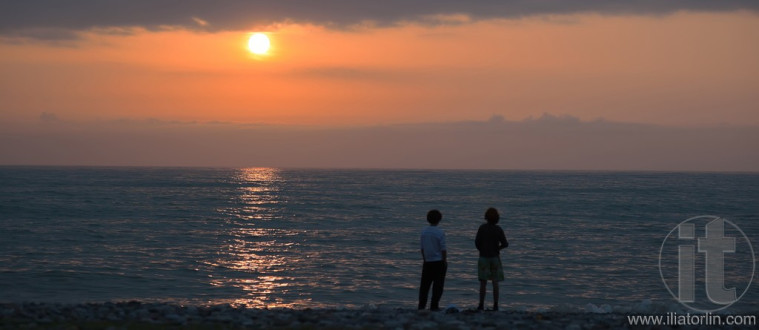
(268,237)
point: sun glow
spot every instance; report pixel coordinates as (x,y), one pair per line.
(258,43)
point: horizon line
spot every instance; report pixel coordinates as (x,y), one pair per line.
(388,169)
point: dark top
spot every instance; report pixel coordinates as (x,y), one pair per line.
(490,240)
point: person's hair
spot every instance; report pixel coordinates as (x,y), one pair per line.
(434,216)
(492,216)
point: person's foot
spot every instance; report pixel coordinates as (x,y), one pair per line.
(480,307)
(495,308)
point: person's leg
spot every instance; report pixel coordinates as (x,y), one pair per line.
(495,294)
(438,284)
(424,287)
(498,276)
(483,274)
(483,291)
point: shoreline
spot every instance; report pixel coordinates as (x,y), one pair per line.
(137,315)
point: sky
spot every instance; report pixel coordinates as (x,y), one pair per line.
(586,85)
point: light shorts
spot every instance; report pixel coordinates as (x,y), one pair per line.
(489,269)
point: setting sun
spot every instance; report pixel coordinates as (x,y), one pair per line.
(258,43)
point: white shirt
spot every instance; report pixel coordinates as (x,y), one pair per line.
(433,243)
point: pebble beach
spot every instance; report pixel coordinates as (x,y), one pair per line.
(137,315)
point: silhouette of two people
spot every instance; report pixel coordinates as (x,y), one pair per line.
(490,240)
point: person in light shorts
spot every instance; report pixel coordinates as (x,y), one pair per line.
(490,241)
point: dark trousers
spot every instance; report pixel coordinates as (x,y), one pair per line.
(433,273)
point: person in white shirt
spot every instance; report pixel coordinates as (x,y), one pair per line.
(434,255)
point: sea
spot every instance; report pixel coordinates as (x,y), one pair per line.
(328,238)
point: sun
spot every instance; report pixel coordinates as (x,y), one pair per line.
(258,43)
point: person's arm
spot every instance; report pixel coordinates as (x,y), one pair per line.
(421,246)
(504,242)
(444,249)
(478,239)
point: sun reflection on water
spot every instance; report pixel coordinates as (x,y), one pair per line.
(255,258)
(259,193)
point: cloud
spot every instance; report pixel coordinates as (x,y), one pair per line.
(60,37)
(238,15)
(548,142)
(200,21)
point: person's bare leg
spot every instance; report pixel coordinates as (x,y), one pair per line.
(495,295)
(483,290)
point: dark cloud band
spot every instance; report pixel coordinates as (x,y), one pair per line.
(240,14)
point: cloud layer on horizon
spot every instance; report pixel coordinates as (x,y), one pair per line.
(545,143)
(46,15)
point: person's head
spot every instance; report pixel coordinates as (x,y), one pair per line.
(434,217)
(492,216)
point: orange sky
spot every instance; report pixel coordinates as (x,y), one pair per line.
(682,69)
